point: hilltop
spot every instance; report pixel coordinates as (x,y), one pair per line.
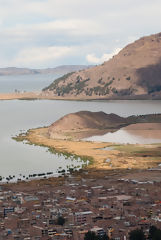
(84,123)
(134,73)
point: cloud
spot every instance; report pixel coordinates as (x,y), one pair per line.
(91,58)
(85,28)
(69,26)
(41,55)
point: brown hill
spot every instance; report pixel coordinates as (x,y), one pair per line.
(134,73)
(85,123)
(86,119)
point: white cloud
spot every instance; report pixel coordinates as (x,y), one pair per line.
(87,28)
(41,55)
(71,26)
(91,58)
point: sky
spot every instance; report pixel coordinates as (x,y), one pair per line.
(49,33)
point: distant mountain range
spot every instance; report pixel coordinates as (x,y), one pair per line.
(57,70)
(134,73)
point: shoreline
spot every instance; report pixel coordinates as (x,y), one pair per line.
(118,157)
(44,96)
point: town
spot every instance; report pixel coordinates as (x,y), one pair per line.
(70,206)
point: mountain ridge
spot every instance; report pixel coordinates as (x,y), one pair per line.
(63,69)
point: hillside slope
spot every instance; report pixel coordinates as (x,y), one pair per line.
(133,73)
(85,123)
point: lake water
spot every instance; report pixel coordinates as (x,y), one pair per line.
(124,136)
(140,133)
(17,158)
(34,82)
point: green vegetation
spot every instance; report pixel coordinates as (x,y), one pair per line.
(152,89)
(154,233)
(64,89)
(128,78)
(137,234)
(140,151)
(54,85)
(99,90)
(60,221)
(92,236)
(100,81)
(69,155)
(126,92)
(23,136)
(114,90)
(80,85)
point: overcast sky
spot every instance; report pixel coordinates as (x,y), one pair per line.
(48,33)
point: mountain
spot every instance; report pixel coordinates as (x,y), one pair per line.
(134,73)
(85,123)
(57,70)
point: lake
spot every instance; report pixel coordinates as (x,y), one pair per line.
(17,158)
(142,133)
(29,83)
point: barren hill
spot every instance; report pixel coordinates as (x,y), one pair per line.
(135,72)
(85,123)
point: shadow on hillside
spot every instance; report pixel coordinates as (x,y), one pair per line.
(150,77)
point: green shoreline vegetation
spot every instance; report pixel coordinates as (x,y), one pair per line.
(86,159)
(148,151)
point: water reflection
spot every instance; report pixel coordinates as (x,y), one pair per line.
(20,158)
(133,134)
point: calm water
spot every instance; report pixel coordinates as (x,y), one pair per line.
(124,136)
(18,158)
(34,82)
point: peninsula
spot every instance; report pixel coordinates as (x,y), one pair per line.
(67,136)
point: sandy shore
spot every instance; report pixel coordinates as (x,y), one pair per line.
(37,95)
(50,96)
(12,96)
(119,157)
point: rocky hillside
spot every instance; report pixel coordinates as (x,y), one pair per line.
(133,73)
(85,123)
